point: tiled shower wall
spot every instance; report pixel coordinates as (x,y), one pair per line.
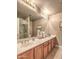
(51,26)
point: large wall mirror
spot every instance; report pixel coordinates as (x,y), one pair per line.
(23,28)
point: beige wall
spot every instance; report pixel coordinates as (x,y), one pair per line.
(54,25)
(36,23)
(51,25)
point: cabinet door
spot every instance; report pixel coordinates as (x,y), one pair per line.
(21,57)
(50,45)
(55,41)
(45,49)
(39,52)
(26,55)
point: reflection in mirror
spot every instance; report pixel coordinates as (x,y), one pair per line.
(22,28)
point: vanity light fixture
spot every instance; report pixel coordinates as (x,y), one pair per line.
(45,12)
(31,2)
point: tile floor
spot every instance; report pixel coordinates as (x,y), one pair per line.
(55,54)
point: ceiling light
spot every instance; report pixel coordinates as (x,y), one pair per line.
(46,11)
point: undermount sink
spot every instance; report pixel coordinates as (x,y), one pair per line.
(26,42)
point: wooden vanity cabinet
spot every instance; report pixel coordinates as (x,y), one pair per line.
(46,47)
(39,52)
(26,55)
(50,45)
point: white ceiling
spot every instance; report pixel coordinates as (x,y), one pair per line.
(53,6)
(23,11)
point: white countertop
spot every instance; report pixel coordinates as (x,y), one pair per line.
(33,44)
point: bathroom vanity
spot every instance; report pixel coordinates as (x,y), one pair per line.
(38,49)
